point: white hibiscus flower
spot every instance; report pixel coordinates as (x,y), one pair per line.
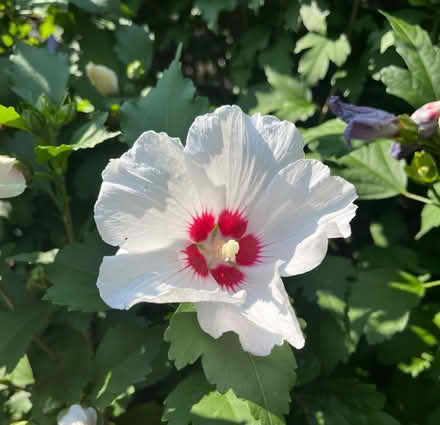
(77,415)
(217,223)
(12,181)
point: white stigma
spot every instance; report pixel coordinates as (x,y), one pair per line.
(230,250)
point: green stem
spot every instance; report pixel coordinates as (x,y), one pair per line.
(418,198)
(6,299)
(431,284)
(354,12)
(66,212)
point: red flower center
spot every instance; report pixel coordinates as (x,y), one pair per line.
(221,247)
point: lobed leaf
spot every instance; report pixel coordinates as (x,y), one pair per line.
(170,107)
(374,172)
(265,381)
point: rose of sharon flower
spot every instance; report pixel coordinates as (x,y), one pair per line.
(77,415)
(364,123)
(217,223)
(103,79)
(12,181)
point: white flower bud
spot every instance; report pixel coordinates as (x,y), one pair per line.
(103,79)
(77,415)
(12,181)
(427,118)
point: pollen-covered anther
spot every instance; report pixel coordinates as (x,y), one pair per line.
(230,250)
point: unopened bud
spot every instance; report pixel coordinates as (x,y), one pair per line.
(103,79)
(35,121)
(65,114)
(426,118)
(364,122)
(423,168)
(77,415)
(12,181)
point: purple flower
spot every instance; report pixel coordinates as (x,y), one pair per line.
(364,122)
(399,150)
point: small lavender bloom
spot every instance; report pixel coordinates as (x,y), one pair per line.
(426,118)
(51,44)
(364,123)
(399,150)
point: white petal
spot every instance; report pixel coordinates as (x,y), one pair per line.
(12,181)
(146,199)
(301,209)
(232,157)
(264,320)
(283,138)
(161,276)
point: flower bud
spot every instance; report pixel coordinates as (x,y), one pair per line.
(103,79)
(77,415)
(65,114)
(364,123)
(423,168)
(427,118)
(35,121)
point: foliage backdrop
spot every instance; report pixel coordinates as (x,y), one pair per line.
(371,310)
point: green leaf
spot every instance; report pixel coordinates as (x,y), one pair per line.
(430,219)
(37,257)
(179,402)
(92,133)
(289,99)
(278,56)
(57,156)
(19,404)
(11,118)
(266,381)
(421,83)
(327,285)
(420,336)
(117,366)
(333,127)
(327,333)
(134,43)
(380,303)
(374,172)
(314,19)
(18,328)
(170,107)
(74,276)
(70,361)
(36,71)
(345,402)
(211,9)
(223,407)
(98,6)
(314,64)
(22,375)
(255,39)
